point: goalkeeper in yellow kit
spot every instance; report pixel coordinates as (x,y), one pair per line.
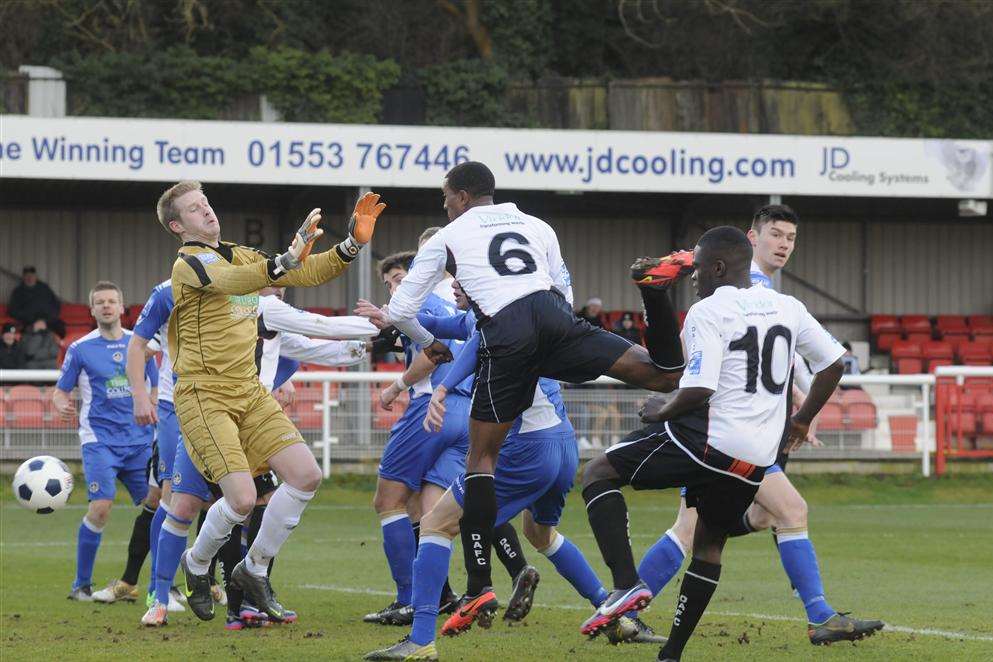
(232,427)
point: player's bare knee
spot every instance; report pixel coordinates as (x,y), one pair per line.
(597,469)
(436,522)
(759,518)
(153,498)
(185,507)
(387,503)
(683,528)
(98,512)
(242,502)
(794,513)
(539,535)
(309,479)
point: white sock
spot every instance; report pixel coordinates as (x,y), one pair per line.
(281,516)
(221,518)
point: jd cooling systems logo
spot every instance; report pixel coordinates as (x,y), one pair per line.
(836,162)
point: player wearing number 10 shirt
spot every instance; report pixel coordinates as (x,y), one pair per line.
(510,266)
(720,432)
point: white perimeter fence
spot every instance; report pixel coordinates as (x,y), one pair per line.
(873,417)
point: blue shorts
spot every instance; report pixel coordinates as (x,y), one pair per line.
(414,456)
(103,465)
(186,479)
(534,471)
(772,469)
(167,437)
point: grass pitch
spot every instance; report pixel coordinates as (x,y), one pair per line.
(914,553)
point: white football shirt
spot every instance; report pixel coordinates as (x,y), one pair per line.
(740,343)
(497,253)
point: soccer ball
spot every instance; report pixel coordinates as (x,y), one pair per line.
(43,484)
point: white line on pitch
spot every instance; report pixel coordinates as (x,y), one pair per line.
(769,617)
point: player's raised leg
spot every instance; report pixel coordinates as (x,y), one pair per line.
(658,368)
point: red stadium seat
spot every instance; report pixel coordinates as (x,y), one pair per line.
(984,408)
(384,366)
(975,353)
(980,320)
(936,353)
(915,324)
(25,413)
(883,324)
(903,433)
(885,341)
(327,312)
(76,313)
(25,392)
(978,385)
(831,418)
(982,332)
(919,338)
(951,322)
(906,357)
(860,416)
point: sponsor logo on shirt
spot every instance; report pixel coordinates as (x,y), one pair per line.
(244,306)
(206,258)
(118,387)
(118,357)
(696,360)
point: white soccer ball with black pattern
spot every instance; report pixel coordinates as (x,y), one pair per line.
(43,484)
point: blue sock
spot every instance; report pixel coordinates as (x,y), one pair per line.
(800,562)
(661,562)
(430,571)
(153,540)
(576,570)
(172,542)
(399,546)
(87,544)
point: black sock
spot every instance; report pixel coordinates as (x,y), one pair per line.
(254,524)
(229,555)
(699,584)
(608,515)
(662,329)
(508,549)
(742,528)
(138,547)
(479,516)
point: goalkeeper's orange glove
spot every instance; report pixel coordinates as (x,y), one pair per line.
(362,224)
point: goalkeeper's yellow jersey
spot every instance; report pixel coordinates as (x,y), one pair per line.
(213,327)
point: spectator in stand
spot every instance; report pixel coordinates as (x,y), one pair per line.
(851,363)
(626,329)
(591,312)
(34,300)
(11,352)
(41,350)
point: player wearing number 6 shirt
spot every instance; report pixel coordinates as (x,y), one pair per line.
(718,434)
(510,266)
(232,427)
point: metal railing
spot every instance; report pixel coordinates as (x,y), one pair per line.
(338,413)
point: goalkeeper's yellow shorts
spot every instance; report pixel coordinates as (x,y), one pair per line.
(231,426)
